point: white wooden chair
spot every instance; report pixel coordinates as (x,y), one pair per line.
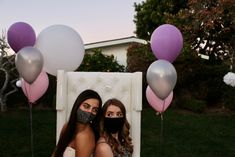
(126,87)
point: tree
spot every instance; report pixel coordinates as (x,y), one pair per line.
(8,73)
(152,13)
(139,57)
(209,27)
(100,62)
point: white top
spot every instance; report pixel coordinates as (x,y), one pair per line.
(69,152)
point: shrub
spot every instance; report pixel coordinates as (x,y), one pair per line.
(139,57)
(100,62)
(194,105)
(229,97)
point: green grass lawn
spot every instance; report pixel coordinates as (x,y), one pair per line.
(187,135)
(15,136)
(183,134)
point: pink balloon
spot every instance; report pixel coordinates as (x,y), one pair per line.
(166,42)
(156,103)
(36,90)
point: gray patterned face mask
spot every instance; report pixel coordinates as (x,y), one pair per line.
(84,117)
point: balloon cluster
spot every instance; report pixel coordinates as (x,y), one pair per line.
(57,47)
(166,43)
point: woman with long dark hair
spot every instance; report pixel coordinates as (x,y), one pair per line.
(115,140)
(80,133)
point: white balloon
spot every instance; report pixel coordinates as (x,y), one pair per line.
(18,83)
(229,79)
(62,48)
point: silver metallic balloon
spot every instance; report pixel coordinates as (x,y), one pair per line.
(29,63)
(161,77)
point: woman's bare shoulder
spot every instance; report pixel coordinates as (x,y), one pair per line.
(102,148)
(85,137)
(84,143)
(101,140)
(86,133)
(63,129)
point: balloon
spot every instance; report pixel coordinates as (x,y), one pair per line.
(29,63)
(166,42)
(62,48)
(19,83)
(35,90)
(19,35)
(229,79)
(161,77)
(156,103)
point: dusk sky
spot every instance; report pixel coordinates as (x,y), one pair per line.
(94,20)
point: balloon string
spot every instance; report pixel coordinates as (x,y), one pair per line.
(161,137)
(163,105)
(161,114)
(31,127)
(27,92)
(161,133)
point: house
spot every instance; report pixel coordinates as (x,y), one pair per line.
(116,47)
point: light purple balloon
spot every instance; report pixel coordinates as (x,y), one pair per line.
(166,42)
(19,35)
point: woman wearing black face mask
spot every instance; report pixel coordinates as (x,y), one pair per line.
(80,133)
(115,140)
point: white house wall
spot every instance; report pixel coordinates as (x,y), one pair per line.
(119,52)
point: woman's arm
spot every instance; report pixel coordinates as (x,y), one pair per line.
(84,144)
(103,150)
(53,154)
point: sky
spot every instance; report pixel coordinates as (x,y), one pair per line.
(94,20)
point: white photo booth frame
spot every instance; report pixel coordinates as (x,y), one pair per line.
(126,87)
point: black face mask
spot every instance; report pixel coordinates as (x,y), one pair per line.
(84,117)
(113,125)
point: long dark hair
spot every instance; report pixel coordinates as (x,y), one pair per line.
(123,135)
(70,129)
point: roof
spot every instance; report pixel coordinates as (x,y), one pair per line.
(119,41)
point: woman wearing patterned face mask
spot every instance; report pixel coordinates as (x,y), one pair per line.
(115,140)
(80,133)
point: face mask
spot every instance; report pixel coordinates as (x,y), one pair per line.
(84,117)
(113,125)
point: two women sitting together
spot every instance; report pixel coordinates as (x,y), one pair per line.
(95,130)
